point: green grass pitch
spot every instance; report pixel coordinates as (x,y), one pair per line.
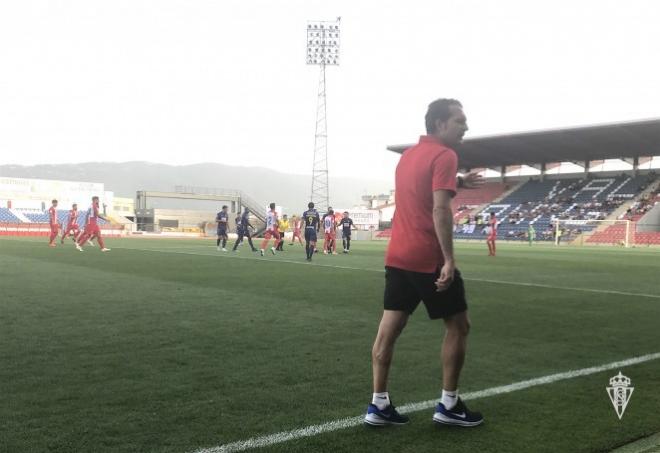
(171,346)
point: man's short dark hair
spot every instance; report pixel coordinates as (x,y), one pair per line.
(310,205)
(224,206)
(95,198)
(272,206)
(53,201)
(439,110)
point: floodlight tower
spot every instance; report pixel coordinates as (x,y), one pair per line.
(322,51)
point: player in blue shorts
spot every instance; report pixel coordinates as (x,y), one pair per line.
(222,220)
(312,224)
(346,224)
(243,230)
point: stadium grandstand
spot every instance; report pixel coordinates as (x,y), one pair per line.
(24,204)
(589,203)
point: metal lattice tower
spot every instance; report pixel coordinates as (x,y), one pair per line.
(322,50)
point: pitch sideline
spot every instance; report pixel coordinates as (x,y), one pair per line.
(315,430)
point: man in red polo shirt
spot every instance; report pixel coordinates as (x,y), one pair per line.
(420,265)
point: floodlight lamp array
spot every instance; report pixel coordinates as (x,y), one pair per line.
(323,39)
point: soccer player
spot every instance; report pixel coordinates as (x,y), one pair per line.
(244,231)
(91,227)
(297,227)
(312,223)
(54,226)
(531,234)
(492,234)
(72,224)
(222,219)
(346,224)
(420,265)
(282,226)
(330,229)
(271,230)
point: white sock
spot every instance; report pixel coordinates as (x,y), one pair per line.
(381,400)
(449,399)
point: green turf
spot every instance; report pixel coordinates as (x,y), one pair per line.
(170,346)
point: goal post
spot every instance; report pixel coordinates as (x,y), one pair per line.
(594,232)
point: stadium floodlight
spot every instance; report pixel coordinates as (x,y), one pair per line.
(323,40)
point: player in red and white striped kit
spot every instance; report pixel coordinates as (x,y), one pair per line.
(330,229)
(271,230)
(54,226)
(492,234)
(91,227)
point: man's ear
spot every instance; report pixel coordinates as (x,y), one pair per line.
(438,125)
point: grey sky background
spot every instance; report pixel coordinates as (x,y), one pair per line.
(183,82)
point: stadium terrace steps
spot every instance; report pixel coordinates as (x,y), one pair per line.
(7,216)
(19,215)
(512,188)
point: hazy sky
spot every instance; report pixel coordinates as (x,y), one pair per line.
(226,81)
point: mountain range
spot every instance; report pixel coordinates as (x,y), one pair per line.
(263,185)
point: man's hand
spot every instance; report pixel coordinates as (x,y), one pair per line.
(446,276)
(473,181)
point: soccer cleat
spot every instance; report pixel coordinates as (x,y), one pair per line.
(325,252)
(91,244)
(79,248)
(334,253)
(262,252)
(52,245)
(387,416)
(459,415)
(105,249)
(224,249)
(272,250)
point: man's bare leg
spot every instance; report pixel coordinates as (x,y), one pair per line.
(391,326)
(454,348)
(380,411)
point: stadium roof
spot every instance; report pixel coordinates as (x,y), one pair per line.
(575,144)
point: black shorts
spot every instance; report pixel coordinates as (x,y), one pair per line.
(346,234)
(404,290)
(222,232)
(310,235)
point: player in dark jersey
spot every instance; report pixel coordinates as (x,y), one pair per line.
(244,231)
(346,224)
(223,223)
(312,224)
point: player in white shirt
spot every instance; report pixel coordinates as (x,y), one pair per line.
(271,230)
(330,229)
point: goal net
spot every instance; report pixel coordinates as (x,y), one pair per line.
(594,232)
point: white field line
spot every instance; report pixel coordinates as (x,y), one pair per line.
(231,255)
(315,430)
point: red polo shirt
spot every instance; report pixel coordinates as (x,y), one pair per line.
(422,169)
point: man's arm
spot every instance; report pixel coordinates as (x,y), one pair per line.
(470,181)
(443,223)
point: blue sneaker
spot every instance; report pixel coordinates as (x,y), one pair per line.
(387,416)
(459,415)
